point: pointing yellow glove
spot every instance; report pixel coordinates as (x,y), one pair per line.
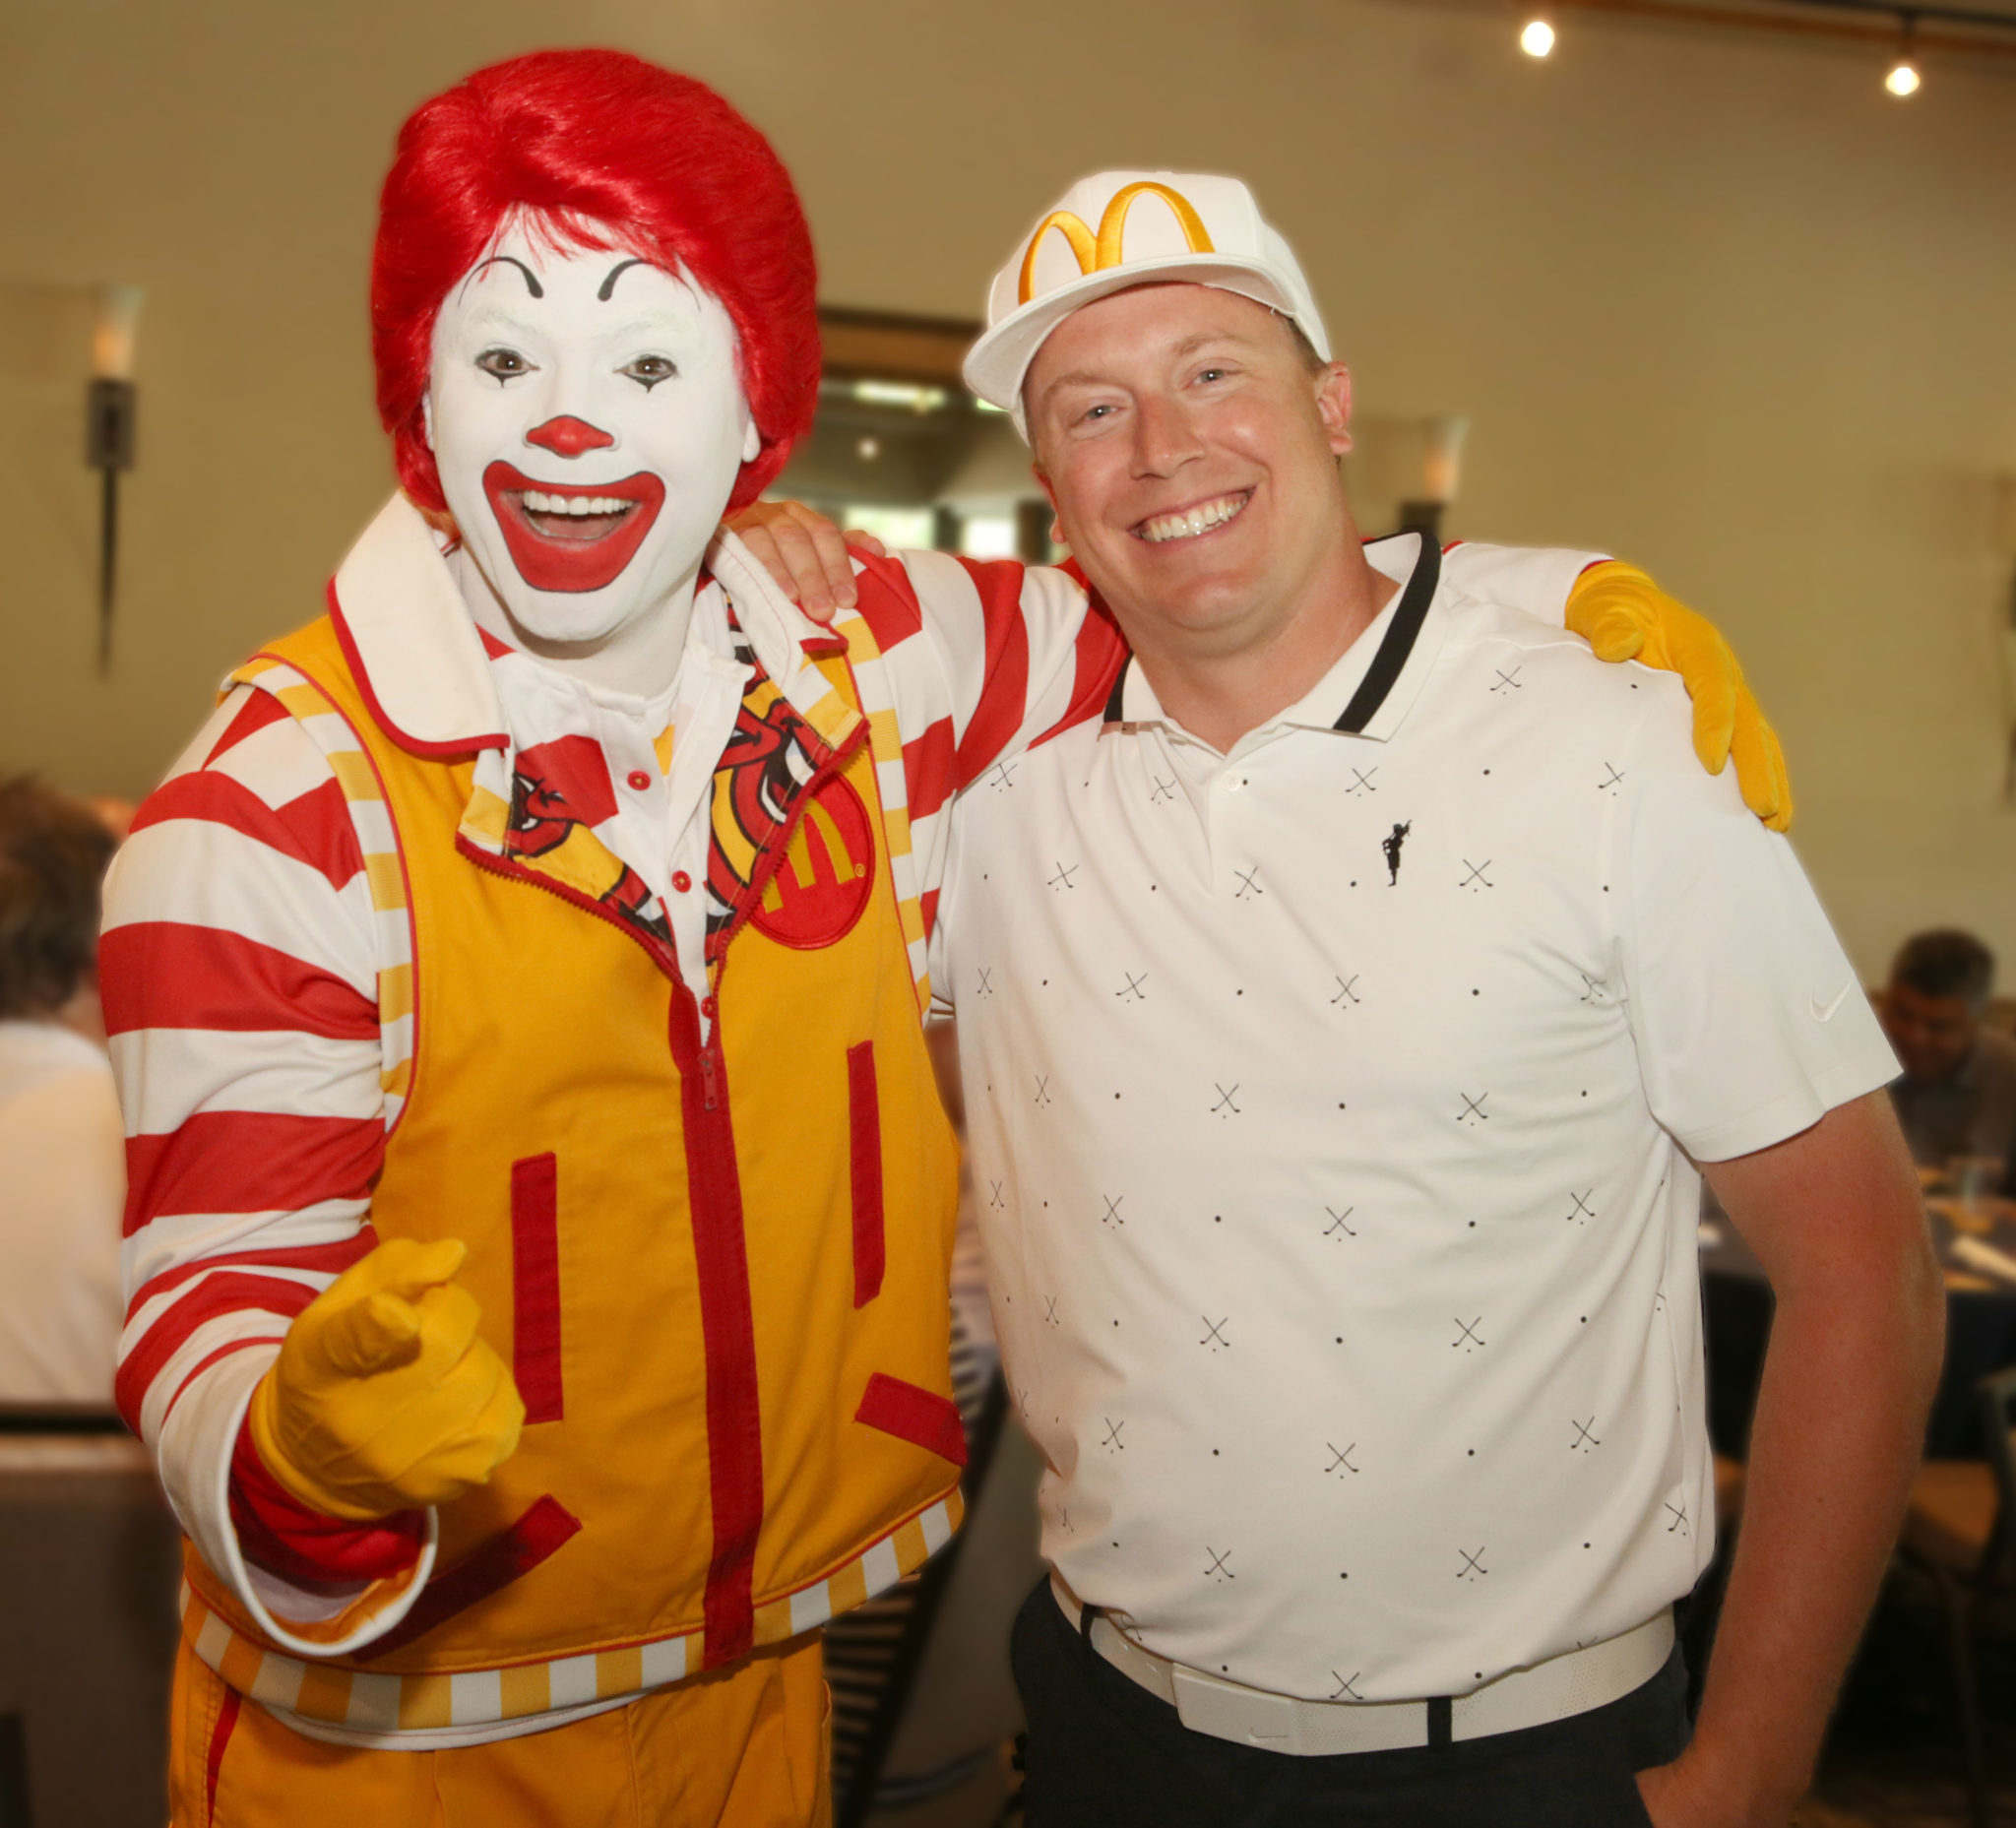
(1624,615)
(383,1397)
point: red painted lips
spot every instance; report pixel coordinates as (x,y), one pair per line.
(572,552)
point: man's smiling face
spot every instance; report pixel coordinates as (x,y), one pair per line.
(1190,447)
(587,421)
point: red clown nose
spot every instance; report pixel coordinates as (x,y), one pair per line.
(567,436)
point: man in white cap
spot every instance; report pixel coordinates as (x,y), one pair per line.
(1341,1016)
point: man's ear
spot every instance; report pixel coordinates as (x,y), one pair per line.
(1042,483)
(1333,406)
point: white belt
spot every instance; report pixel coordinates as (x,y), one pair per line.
(1569,1684)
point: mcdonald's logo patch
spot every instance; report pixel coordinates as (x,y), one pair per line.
(826,876)
(1095,253)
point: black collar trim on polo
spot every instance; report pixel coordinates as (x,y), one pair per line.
(1399,643)
(1386,663)
(1117,699)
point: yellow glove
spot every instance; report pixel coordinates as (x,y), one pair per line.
(1624,615)
(383,1397)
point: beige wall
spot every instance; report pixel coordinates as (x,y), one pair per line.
(1710,301)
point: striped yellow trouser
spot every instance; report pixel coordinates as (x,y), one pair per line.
(741,1748)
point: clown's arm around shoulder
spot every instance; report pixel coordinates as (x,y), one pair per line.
(957,659)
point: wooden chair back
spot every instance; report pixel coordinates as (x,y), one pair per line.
(1998,1395)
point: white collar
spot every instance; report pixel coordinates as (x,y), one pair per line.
(421,663)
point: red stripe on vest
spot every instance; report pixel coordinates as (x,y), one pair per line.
(484,1571)
(921,1416)
(864,1169)
(535,1286)
(728,1325)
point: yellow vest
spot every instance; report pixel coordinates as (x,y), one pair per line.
(719,1270)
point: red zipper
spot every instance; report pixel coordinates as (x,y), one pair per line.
(734,1452)
(734,1447)
(498,866)
(683,1001)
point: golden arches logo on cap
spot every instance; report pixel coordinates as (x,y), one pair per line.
(1096,254)
(1204,228)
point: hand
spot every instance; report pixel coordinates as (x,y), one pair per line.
(804,552)
(1675,1797)
(1665,1797)
(1624,615)
(383,1396)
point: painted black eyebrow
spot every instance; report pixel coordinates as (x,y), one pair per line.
(530,278)
(609,286)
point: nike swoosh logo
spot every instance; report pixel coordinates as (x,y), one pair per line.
(1824,1012)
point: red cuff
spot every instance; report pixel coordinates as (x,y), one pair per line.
(285,1538)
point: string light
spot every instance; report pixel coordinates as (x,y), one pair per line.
(1903,79)
(1903,76)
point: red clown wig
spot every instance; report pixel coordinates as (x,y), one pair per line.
(605,151)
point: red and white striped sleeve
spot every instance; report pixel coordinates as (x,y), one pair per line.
(980,660)
(241,968)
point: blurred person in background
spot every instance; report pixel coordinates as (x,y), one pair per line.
(62,1158)
(1957,1096)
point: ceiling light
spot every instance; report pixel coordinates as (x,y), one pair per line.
(1903,79)
(900,394)
(1537,40)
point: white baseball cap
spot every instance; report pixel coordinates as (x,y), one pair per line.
(1121,229)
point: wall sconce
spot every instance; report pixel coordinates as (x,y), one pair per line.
(108,436)
(1436,462)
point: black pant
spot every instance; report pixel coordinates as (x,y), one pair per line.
(1106,1753)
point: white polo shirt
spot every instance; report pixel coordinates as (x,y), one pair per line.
(1328,1104)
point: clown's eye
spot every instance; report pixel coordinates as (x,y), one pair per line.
(649,370)
(505,364)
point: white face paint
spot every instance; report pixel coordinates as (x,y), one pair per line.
(587,421)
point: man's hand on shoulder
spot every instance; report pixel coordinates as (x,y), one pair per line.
(804,552)
(1624,615)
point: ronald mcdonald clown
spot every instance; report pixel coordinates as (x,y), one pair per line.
(540,1205)
(509,1375)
